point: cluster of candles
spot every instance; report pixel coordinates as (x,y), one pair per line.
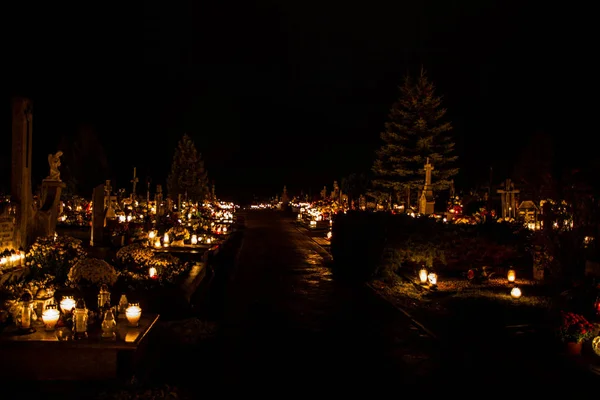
(51,314)
(154,240)
(426,277)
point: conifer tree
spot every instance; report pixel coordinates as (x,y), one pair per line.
(415,130)
(188,175)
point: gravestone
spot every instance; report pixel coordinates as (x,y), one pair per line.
(426,201)
(7,228)
(21,196)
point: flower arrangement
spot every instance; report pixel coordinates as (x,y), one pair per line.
(94,271)
(54,255)
(135,254)
(574,328)
(179,233)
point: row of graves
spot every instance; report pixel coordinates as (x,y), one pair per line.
(92,299)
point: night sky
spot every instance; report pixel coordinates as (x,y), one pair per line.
(296,93)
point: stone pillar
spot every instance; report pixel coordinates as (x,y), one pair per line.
(22,121)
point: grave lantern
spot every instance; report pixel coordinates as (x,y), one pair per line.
(80,320)
(103,296)
(133,314)
(166,239)
(433,278)
(194,239)
(152,273)
(515,293)
(67,304)
(423,275)
(26,309)
(512,275)
(50,316)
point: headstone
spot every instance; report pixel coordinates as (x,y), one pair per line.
(7,228)
(98,197)
(21,196)
(426,201)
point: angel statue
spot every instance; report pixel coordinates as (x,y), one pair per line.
(54,161)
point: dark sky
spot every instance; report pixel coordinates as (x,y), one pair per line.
(296,93)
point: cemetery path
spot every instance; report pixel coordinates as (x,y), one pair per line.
(288,321)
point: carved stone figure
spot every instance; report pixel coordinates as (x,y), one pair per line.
(54,161)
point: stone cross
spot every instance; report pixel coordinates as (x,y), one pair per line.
(135,180)
(107,189)
(509,209)
(428,169)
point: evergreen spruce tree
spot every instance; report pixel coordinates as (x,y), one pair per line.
(188,175)
(415,130)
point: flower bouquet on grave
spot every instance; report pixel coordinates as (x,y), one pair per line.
(574,328)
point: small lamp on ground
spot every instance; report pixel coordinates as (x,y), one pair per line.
(516,293)
(512,275)
(423,275)
(194,239)
(152,273)
(433,278)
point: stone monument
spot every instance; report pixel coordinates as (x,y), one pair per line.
(426,201)
(17,227)
(47,215)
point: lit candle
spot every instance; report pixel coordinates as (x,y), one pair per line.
(152,272)
(67,304)
(133,314)
(512,275)
(157,243)
(166,238)
(194,239)
(50,317)
(432,278)
(515,293)
(151,235)
(423,275)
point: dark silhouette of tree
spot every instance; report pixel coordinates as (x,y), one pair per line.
(355,185)
(535,170)
(188,176)
(84,161)
(414,132)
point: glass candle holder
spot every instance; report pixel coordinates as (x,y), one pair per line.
(67,304)
(50,317)
(133,314)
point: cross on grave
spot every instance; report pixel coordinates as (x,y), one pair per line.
(107,189)
(135,180)
(428,169)
(509,209)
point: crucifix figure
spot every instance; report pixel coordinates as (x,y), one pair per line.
(428,169)
(135,180)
